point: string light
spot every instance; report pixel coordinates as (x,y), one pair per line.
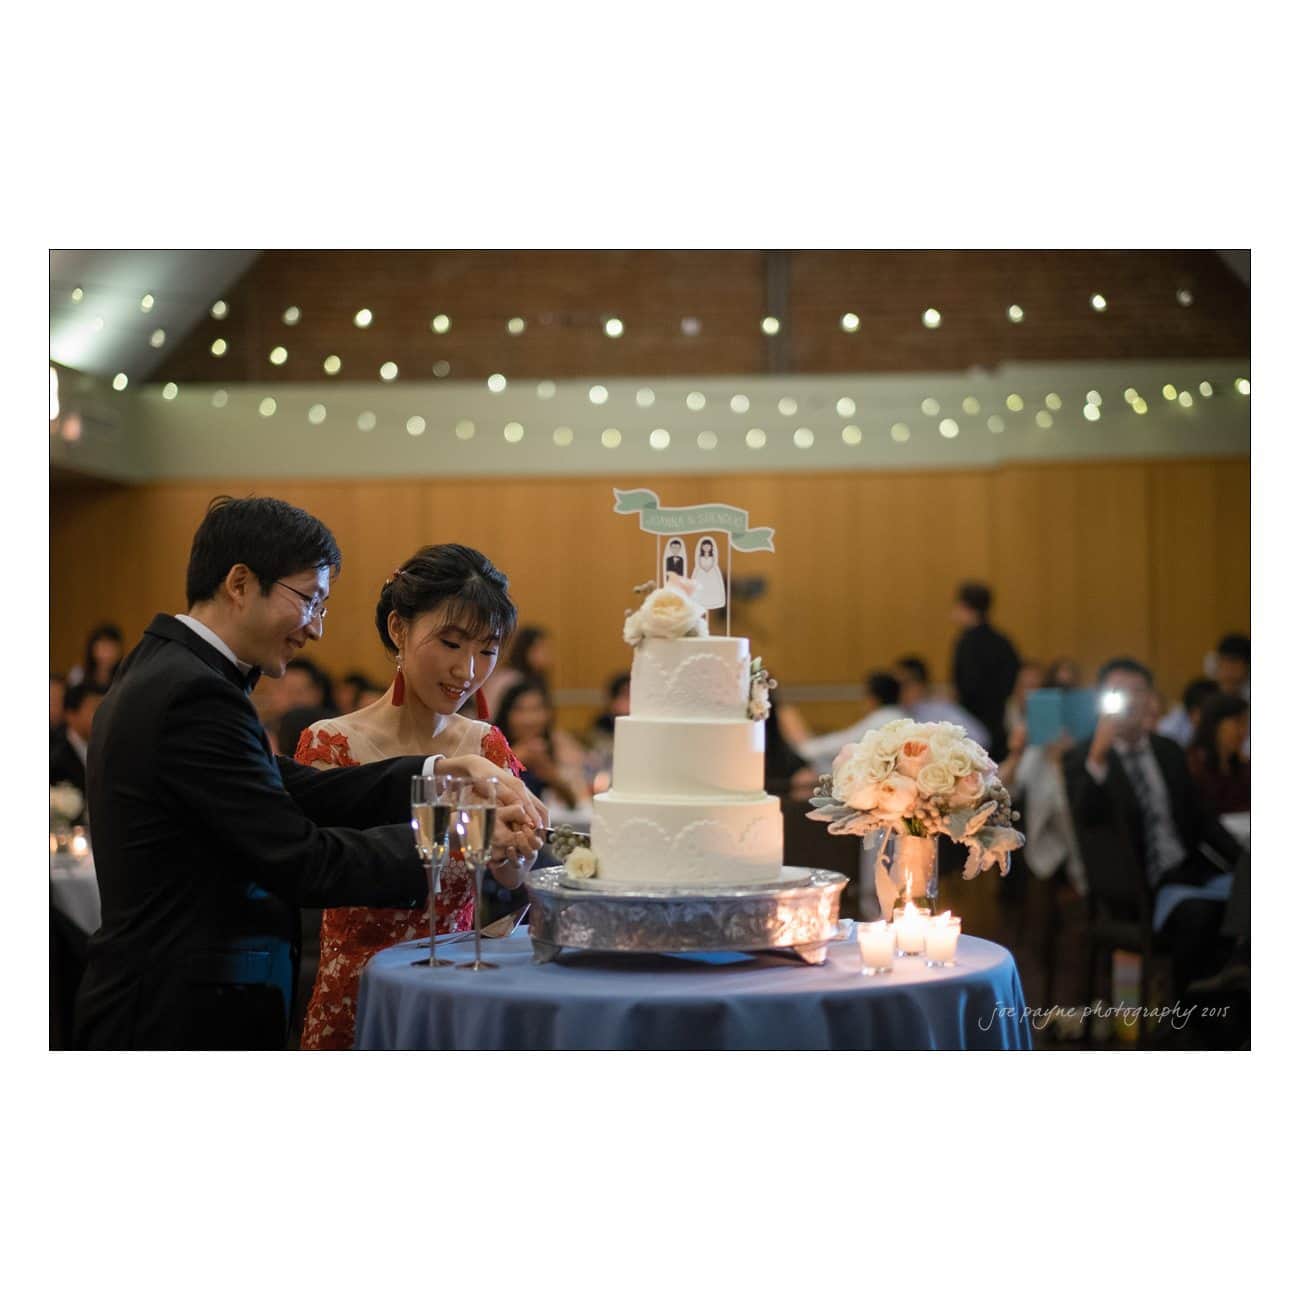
(851,434)
(415,426)
(1139,406)
(1015,314)
(563,436)
(78,294)
(388,371)
(1098,302)
(1015,402)
(949,428)
(465,430)
(513,432)
(218,310)
(755,439)
(996,424)
(146,303)
(970,405)
(771,325)
(366,421)
(611,438)
(516,325)
(169,392)
(1130,395)
(120,381)
(266,407)
(279,356)
(332,365)
(1206,389)
(931,319)
(690,326)
(930,407)
(54,394)
(645,397)
(614,327)
(1043,419)
(740,403)
(900,433)
(363,318)
(316,414)
(219,398)
(1185,297)
(659,439)
(695,401)
(803,438)
(1169,392)
(1093,396)
(1052,401)
(1091,412)
(1242,386)
(546,389)
(849,323)
(291,316)
(1185,398)
(846,406)
(788,406)
(707,440)
(598,394)
(441,369)
(496,383)
(218,348)
(157,338)
(440,324)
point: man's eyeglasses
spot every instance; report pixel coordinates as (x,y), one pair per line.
(315,604)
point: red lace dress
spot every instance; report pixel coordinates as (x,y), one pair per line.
(350,936)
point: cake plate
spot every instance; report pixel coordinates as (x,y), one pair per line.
(797,916)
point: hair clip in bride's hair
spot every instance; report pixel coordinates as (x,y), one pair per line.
(393,577)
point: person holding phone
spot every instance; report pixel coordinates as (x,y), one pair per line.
(1131,794)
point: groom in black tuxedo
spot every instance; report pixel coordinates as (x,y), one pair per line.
(206,845)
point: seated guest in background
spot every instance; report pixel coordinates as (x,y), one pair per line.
(1180,724)
(68,754)
(552,759)
(1133,797)
(984,664)
(57,688)
(786,772)
(355,692)
(528,659)
(883,693)
(1232,665)
(920,703)
(1031,677)
(104,648)
(1063,675)
(1221,772)
(1033,775)
(443,615)
(205,845)
(618,704)
(306,685)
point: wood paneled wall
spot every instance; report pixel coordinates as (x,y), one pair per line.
(1086,559)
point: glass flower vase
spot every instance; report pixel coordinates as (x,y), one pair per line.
(906,867)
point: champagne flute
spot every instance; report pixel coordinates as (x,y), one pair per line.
(433,799)
(476,814)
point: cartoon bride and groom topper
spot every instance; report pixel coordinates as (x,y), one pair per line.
(710,587)
(710,590)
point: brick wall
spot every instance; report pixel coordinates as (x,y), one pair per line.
(564,296)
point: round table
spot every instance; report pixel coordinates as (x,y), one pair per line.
(732,1001)
(74,889)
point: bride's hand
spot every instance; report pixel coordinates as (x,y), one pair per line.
(474,767)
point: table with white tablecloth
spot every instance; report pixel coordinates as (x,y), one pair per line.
(74,891)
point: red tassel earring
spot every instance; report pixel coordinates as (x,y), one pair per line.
(399,685)
(481,707)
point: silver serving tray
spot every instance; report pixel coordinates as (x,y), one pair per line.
(630,889)
(798,917)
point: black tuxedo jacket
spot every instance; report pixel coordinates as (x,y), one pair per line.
(1108,817)
(66,765)
(206,845)
(984,670)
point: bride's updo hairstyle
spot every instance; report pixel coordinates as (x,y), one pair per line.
(461,583)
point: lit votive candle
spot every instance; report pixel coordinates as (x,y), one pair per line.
(80,844)
(909,930)
(941,940)
(876,943)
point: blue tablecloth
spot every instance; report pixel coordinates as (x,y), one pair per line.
(597,1000)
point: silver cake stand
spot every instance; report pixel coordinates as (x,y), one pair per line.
(797,917)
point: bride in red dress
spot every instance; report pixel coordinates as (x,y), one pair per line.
(444,615)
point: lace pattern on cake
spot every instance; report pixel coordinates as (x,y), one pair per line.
(701,686)
(696,850)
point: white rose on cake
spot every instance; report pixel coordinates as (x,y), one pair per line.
(581,864)
(668,613)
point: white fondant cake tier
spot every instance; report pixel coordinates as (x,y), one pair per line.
(671,758)
(687,841)
(693,677)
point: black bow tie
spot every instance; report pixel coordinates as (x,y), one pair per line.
(254,674)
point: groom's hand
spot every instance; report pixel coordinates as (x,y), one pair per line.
(474,767)
(515,845)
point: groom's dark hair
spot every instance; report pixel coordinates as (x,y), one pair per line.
(272,537)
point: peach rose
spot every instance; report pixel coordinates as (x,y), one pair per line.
(968,790)
(896,795)
(913,756)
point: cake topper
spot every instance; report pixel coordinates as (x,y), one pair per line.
(709,587)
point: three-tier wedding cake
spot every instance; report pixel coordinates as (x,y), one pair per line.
(686,804)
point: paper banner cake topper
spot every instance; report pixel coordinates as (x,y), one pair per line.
(701,568)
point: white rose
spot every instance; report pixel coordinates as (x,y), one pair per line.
(669,613)
(957,756)
(896,795)
(851,776)
(633,633)
(968,790)
(581,864)
(935,778)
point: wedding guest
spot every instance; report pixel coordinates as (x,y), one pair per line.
(529,659)
(1215,759)
(785,770)
(443,616)
(552,759)
(1232,665)
(1063,675)
(1030,678)
(883,693)
(618,704)
(68,754)
(103,655)
(984,664)
(1133,798)
(306,685)
(1180,724)
(205,845)
(921,703)
(57,688)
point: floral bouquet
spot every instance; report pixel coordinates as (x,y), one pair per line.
(919,780)
(66,804)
